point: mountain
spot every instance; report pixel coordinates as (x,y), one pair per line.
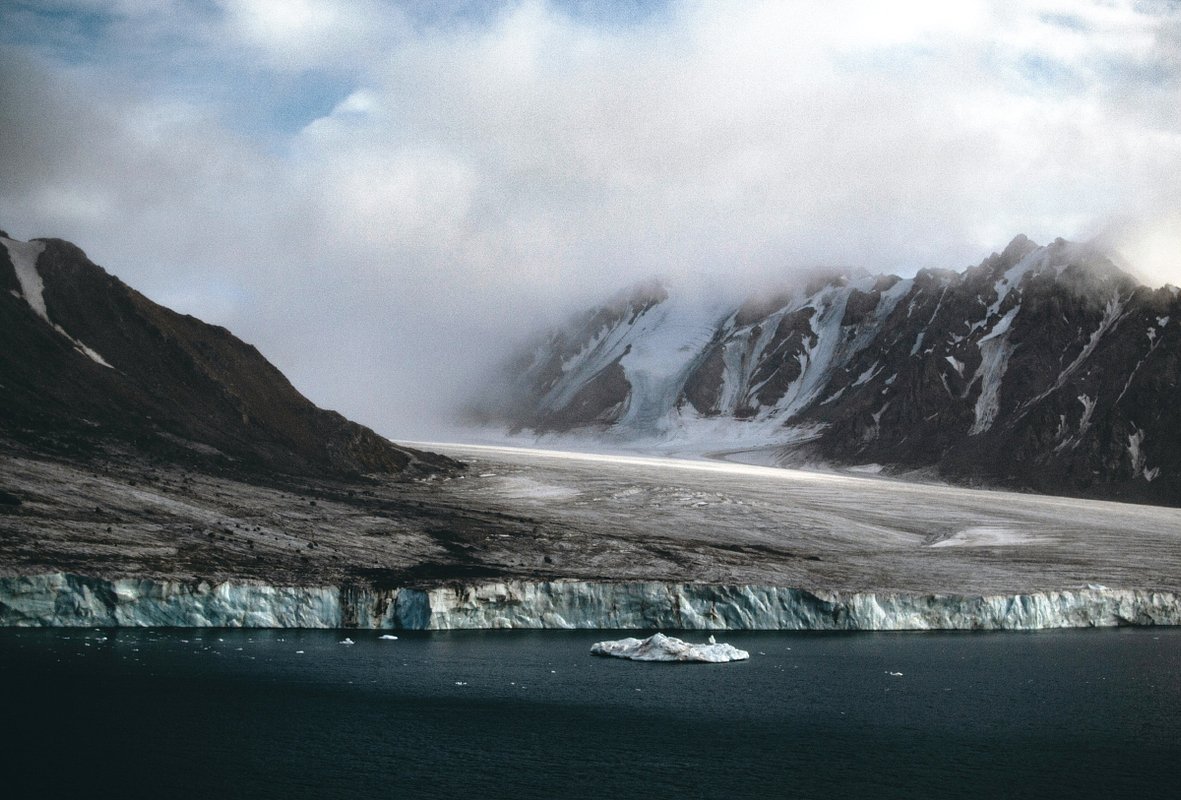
(1043,367)
(88,361)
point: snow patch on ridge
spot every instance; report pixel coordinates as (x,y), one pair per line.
(835,345)
(994,360)
(24,257)
(1139,462)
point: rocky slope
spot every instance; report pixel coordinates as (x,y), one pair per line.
(88,360)
(1043,367)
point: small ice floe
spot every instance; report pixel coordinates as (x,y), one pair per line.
(659,647)
(347,640)
(299,652)
(388,638)
(894,674)
(461,683)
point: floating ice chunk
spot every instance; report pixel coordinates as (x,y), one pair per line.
(347,640)
(659,647)
(388,637)
(894,674)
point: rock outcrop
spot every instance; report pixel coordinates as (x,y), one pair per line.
(87,359)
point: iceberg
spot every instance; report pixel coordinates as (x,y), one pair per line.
(659,647)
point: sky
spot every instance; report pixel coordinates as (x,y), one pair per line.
(385,197)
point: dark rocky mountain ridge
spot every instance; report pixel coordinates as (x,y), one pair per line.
(1044,368)
(87,361)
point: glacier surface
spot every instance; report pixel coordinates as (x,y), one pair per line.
(61,599)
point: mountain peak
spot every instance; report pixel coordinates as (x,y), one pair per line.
(1019,248)
(1042,367)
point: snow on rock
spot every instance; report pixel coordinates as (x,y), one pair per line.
(659,647)
(66,600)
(24,257)
(994,360)
(1140,468)
(1088,409)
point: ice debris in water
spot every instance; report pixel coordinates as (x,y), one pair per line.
(388,637)
(659,647)
(347,640)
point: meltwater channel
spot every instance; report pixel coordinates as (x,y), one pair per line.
(297,714)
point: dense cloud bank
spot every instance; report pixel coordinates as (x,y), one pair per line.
(381,195)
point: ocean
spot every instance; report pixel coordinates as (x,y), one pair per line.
(523,714)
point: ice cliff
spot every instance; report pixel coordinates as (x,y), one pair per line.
(59,599)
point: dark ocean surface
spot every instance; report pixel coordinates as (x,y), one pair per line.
(295,714)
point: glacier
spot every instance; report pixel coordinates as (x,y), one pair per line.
(70,600)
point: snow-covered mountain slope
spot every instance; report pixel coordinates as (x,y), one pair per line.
(1042,367)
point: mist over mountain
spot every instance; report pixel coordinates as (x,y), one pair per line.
(1043,367)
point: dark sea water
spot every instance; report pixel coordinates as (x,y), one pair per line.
(206,713)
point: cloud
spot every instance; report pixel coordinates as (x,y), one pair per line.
(297,35)
(380,196)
